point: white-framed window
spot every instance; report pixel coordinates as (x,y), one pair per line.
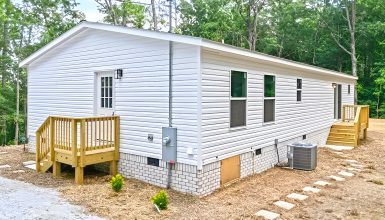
(299,90)
(349,89)
(238,99)
(106,96)
(269,99)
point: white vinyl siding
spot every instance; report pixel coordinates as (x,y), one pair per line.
(291,120)
(62,83)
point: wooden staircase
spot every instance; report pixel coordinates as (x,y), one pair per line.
(355,121)
(78,142)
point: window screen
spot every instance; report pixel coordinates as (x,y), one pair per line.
(269,110)
(238,99)
(106,92)
(238,113)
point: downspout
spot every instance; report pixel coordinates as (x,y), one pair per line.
(170,63)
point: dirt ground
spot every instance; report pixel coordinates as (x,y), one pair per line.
(359,197)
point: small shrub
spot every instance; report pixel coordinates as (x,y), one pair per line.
(160,200)
(117,182)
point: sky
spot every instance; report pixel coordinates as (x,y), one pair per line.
(90,9)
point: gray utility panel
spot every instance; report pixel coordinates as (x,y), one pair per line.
(302,156)
(169,144)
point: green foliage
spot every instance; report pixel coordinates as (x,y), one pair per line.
(117,182)
(161,200)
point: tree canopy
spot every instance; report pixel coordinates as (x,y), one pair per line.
(342,35)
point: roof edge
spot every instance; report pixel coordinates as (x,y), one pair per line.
(273,59)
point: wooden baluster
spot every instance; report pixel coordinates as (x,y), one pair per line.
(99,136)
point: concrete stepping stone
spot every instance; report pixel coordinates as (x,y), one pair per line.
(311,189)
(297,196)
(344,173)
(4,166)
(337,152)
(339,148)
(322,183)
(351,161)
(356,165)
(30,162)
(32,166)
(353,169)
(267,214)
(337,178)
(284,205)
(18,171)
(3,152)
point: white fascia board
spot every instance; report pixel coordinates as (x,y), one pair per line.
(62,38)
(273,60)
(106,27)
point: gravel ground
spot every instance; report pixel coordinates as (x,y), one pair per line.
(359,197)
(21,200)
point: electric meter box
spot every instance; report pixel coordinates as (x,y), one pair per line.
(169,144)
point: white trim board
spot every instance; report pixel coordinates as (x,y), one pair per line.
(210,45)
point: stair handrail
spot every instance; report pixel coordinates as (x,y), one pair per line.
(39,153)
(357,124)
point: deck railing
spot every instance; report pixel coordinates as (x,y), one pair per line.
(77,136)
(359,115)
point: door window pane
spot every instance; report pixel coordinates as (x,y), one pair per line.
(238,84)
(238,113)
(269,85)
(106,96)
(269,110)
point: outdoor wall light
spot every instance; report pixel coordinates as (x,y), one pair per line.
(334,85)
(118,74)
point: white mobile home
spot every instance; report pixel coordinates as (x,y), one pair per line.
(230,106)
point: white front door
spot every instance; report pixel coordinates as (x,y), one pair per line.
(105,90)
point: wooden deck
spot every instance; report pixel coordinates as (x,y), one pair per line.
(78,142)
(355,121)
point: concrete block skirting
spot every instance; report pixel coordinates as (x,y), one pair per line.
(188,179)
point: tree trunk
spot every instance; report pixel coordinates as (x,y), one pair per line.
(154,18)
(3,58)
(17,109)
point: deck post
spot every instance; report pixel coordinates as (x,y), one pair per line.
(74,143)
(52,137)
(79,173)
(117,137)
(38,151)
(82,141)
(56,168)
(113,168)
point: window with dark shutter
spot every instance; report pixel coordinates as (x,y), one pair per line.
(299,90)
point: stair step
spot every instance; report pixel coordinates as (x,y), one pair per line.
(342,143)
(343,127)
(343,138)
(344,130)
(340,134)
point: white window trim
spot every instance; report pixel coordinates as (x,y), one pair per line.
(238,98)
(269,98)
(349,89)
(301,89)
